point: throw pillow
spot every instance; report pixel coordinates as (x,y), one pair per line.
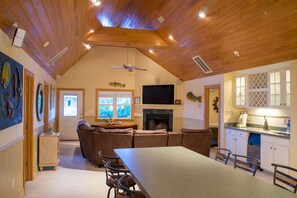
(160,131)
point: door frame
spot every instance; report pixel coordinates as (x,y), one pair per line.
(206,108)
(46,106)
(58,103)
(28,145)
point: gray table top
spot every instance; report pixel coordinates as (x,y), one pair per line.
(177,172)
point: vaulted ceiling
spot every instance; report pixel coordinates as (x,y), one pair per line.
(262,31)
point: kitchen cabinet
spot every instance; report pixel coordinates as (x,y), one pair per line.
(237,141)
(258,90)
(274,150)
(240,91)
(48,150)
(279,88)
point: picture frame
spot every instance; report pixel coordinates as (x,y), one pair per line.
(137,100)
(177,102)
(39,101)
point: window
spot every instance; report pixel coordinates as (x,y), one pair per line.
(70,105)
(116,104)
(240,91)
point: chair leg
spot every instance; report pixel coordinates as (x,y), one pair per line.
(108,193)
(115,192)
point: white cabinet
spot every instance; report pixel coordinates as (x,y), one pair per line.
(240,91)
(237,141)
(274,150)
(48,150)
(279,88)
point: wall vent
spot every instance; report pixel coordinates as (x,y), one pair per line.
(198,60)
(55,58)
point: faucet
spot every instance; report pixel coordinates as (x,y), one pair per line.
(266,127)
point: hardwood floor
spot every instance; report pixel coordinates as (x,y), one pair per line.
(77,177)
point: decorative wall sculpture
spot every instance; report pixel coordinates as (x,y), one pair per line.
(11,91)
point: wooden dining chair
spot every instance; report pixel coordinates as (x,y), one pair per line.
(246,163)
(110,180)
(284,180)
(123,183)
(222,154)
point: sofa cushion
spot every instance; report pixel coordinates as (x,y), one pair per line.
(127,130)
(185,130)
(160,131)
(84,125)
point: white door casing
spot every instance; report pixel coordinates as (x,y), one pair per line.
(70,112)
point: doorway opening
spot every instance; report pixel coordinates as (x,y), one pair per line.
(212,112)
(28,127)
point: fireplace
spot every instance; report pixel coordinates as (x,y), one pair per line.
(154,119)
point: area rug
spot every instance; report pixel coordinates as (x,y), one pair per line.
(71,157)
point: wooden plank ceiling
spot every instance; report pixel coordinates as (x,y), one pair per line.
(263,31)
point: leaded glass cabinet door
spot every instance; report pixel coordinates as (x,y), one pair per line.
(240,91)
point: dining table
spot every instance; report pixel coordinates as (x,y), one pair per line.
(177,172)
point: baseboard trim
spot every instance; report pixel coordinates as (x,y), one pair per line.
(12,143)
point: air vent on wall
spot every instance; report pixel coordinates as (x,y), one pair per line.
(55,58)
(198,60)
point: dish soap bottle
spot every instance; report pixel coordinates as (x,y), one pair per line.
(289,125)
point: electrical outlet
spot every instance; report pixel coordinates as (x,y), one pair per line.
(12,182)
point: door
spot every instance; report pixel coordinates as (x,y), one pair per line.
(281,156)
(241,146)
(266,156)
(230,143)
(70,112)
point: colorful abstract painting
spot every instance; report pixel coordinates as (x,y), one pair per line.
(11,91)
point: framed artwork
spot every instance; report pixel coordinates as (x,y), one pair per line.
(11,92)
(137,100)
(52,96)
(39,101)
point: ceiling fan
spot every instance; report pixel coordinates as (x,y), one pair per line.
(128,67)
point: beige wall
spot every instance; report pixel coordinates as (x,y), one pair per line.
(11,170)
(9,135)
(94,71)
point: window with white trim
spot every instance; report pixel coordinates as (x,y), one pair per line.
(115,104)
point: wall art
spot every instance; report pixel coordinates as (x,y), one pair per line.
(11,92)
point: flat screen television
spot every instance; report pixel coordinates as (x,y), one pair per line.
(158,94)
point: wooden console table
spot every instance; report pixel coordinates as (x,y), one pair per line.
(49,150)
(116,126)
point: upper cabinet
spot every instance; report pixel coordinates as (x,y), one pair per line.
(279,88)
(266,89)
(258,90)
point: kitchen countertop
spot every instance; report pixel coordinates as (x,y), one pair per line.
(260,131)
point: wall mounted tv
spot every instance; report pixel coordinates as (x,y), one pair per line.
(158,94)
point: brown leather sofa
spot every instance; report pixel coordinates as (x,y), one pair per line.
(94,139)
(198,140)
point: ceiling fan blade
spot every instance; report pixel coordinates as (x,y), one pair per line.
(118,67)
(140,69)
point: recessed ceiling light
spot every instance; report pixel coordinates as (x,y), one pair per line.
(161,19)
(170,37)
(236,53)
(96,2)
(45,44)
(202,14)
(151,51)
(87,46)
